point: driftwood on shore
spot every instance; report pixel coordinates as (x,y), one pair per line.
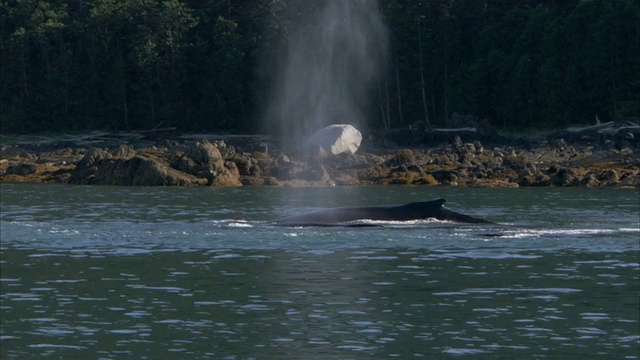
(93,138)
(456,130)
(603,128)
(609,134)
(613,131)
(589,128)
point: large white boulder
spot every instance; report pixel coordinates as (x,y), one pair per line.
(334,139)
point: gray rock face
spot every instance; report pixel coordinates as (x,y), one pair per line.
(142,171)
(201,165)
(98,167)
(204,160)
(86,168)
(206,156)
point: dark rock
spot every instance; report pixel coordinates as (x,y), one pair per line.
(288,171)
(401,168)
(610,177)
(232,168)
(203,160)
(99,167)
(630,178)
(346,180)
(124,152)
(272,181)
(589,180)
(205,156)
(402,157)
(86,168)
(21,169)
(265,166)
(244,165)
(141,171)
(227,151)
(255,170)
(445,176)
(252,181)
(425,179)
(493,183)
(225,179)
(562,176)
(15,152)
(528,180)
(184,164)
(315,173)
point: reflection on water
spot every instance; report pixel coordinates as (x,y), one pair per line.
(146,273)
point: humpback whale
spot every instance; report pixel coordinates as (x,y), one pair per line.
(412,211)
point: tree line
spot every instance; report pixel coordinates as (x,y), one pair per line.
(77,65)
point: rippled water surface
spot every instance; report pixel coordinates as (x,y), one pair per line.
(149,273)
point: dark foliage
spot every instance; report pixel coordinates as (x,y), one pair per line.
(76,65)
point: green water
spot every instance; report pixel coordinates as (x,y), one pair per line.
(151,273)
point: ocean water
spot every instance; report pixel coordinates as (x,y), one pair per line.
(200,273)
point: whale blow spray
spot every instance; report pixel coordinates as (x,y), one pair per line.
(333,55)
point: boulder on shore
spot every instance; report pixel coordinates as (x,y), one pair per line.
(334,139)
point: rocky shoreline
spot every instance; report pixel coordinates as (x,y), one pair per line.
(216,161)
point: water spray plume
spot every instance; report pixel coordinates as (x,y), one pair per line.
(334,53)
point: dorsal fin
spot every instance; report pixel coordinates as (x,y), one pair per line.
(441,201)
(438,202)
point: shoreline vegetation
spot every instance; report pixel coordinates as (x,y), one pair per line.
(163,157)
(217,66)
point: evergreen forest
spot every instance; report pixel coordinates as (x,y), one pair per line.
(204,65)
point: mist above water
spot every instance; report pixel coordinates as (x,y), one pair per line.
(332,57)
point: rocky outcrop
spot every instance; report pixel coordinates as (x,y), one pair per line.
(21,169)
(86,168)
(202,164)
(203,160)
(124,167)
(142,171)
(455,164)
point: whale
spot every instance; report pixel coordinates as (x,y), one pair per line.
(433,209)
